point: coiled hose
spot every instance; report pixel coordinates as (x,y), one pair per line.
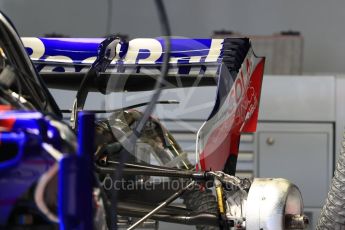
(333,212)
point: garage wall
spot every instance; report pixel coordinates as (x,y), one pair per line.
(321,22)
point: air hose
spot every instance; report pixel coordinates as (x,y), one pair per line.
(333,212)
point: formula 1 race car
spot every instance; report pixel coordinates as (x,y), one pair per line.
(77,175)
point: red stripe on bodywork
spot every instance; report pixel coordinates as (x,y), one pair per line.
(6,124)
(214,157)
(5,108)
(255,83)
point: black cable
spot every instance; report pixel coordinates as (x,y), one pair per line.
(124,153)
(164,68)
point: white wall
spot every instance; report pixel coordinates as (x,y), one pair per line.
(321,22)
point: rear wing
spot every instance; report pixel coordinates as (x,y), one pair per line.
(62,62)
(228,63)
(77,54)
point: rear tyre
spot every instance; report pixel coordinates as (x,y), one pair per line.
(202,202)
